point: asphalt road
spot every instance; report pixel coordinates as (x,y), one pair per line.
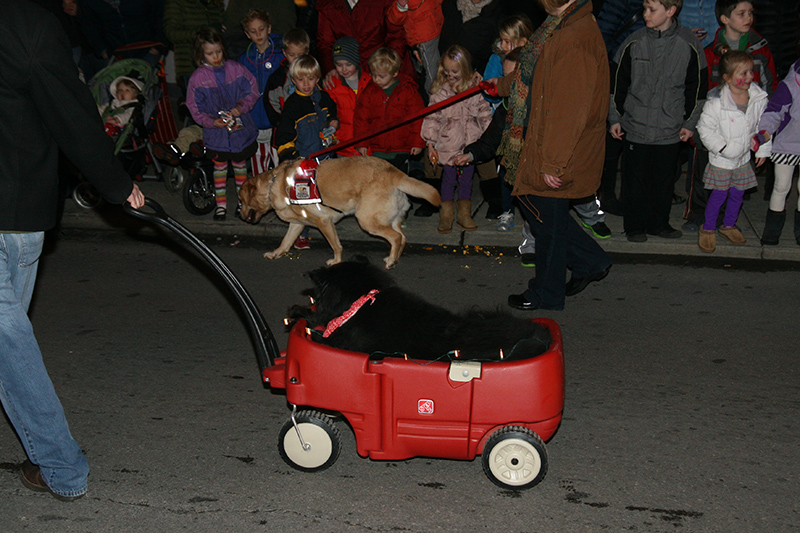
(681,410)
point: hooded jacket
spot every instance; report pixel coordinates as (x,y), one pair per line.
(211,90)
(781,118)
(726,131)
(659,80)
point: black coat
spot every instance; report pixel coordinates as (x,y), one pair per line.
(485,148)
(44,106)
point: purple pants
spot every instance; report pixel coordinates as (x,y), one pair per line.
(457,176)
(735,198)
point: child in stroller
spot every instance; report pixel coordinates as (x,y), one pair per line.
(125,97)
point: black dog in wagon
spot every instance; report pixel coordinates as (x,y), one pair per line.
(358,307)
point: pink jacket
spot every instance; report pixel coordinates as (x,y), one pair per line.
(451,129)
(422,20)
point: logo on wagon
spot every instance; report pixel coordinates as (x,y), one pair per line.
(425,407)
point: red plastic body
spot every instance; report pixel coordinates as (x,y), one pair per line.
(401,408)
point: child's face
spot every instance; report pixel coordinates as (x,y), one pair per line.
(656,16)
(742,77)
(258,31)
(741,18)
(508,67)
(293,51)
(452,71)
(305,84)
(212,53)
(507,43)
(383,79)
(125,93)
(345,69)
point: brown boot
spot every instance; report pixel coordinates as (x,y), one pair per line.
(733,234)
(446,212)
(707,240)
(464,217)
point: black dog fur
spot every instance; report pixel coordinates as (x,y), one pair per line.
(400,323)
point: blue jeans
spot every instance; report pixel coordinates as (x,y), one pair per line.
(26,392)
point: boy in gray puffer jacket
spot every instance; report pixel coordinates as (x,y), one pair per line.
(659,80)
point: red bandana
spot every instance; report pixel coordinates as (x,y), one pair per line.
(347,315)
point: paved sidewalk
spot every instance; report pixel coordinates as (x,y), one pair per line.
(423,230)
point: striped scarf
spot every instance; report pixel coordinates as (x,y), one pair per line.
(519,100)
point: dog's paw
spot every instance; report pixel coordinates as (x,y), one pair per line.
(333,261)
(390,264)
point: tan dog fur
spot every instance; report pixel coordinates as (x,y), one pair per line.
(370,188)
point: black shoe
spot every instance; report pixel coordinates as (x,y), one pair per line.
(637,236)
(518,301)
(600,230)
(670,233)
(494,211)
(528,260)
(425,209)
(576,285)
(677,199)
(220,213)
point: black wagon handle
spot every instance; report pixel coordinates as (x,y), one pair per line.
(263,339)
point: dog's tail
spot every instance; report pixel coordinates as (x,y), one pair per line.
(417,188)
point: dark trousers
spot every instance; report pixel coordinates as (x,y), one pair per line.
(560,244)
(648,178)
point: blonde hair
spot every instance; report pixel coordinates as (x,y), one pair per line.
(730,60)
(516,28)
(305,67)
(463,59)
(385,61)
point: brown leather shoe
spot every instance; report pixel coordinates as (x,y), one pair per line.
(31,477)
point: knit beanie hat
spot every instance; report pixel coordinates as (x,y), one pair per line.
(346,48)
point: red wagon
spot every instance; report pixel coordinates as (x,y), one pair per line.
(401,408)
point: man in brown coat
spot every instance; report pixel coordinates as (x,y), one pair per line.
(562,149)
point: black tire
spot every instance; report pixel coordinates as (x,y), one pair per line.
(173,177)
(86,196)
(515,458)
(198,194)
(321,437)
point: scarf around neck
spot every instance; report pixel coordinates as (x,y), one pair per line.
(519,100)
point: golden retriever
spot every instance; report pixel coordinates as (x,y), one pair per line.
(370,188)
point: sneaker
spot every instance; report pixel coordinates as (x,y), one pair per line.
(528,260)
(302,243)
(505,221)
(600,230)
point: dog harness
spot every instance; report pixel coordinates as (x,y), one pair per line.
(334,324)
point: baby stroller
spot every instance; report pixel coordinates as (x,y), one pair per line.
(132,146)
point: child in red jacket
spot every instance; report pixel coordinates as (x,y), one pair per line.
(348,83)
(389,96)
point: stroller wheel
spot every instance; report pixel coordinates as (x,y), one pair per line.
(198,194)
(173,178)
(319,435)
(86,196)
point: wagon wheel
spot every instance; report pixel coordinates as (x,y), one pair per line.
(515,458)
(321,437)
(173,177)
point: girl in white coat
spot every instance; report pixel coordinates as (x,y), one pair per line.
(727,126)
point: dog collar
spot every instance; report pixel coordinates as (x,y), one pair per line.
(334,324)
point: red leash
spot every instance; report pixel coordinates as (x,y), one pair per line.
(485,86)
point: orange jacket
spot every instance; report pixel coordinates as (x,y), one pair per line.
(422,20)
(345,99)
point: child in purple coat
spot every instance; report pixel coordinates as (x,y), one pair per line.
(220,95)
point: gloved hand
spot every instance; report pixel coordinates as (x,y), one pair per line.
(758,139)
